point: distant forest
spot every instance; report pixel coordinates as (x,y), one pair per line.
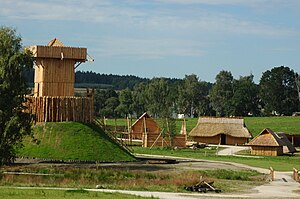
(278,93)
(91,79)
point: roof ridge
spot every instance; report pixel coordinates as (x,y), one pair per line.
(56,42)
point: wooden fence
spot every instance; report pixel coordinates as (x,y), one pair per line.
(296,175)
(59,109)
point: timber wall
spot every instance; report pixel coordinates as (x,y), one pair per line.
(294,139)
(266,150)
(59,109)
(230,140)
(179,141)
(157,140)
(54,77)
(138,129)
(208,140)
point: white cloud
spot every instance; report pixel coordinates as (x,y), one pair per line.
(166,19)
(148,48)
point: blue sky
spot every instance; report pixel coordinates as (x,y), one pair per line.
(168,38)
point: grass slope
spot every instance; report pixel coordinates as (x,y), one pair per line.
(290,125)
(72,141)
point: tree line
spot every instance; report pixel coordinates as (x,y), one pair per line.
(276,94)
(96,80)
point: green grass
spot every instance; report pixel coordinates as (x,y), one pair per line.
(116,178)
(72,141)
(290,125)
(37,193)
(286,124)
(280,163)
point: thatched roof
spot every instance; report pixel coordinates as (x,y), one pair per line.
(212,126)
(266,138)
(269,138)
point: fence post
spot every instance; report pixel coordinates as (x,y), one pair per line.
(272,173)
(296,175)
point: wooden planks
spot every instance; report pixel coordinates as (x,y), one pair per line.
(59,52)
(59,109)
(54,77)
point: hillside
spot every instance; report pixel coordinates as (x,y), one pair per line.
(72,141)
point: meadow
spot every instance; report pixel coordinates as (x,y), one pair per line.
(286,124)
(146,178)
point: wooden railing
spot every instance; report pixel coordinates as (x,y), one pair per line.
(296,175)
(272,174)
(120,142)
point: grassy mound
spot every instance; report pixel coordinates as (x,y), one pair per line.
(72,141)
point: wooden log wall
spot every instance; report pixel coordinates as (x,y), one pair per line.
(157,140)
(54,77)
(179,141)
(59,109)
(266,150)
(60,52)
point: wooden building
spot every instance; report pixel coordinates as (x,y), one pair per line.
(144,125)
(294,139)
(146,129)
(269,143)
(53,98)
(214,130)
(54,68)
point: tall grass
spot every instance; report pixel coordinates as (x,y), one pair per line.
(163,180)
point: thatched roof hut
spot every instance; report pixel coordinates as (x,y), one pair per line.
(214,130)
(269,143)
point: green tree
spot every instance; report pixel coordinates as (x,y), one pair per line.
(245,98)
(192,96)
(158,100)
(297,78)
(14,122)
(110,109)
(221,94)
(125,106)
(278,91)
(106,102)
(139,99)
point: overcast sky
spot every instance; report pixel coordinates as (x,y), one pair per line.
(168,38)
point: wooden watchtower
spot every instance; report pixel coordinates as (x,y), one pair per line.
(54,98)
(54,68)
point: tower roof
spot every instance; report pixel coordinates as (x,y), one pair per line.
(55,42)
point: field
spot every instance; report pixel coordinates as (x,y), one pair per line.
(72,141)
(280,163)
(170,178)
(77,141)
(290,125)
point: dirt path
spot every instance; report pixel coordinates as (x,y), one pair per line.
(282,187)
(231,150)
